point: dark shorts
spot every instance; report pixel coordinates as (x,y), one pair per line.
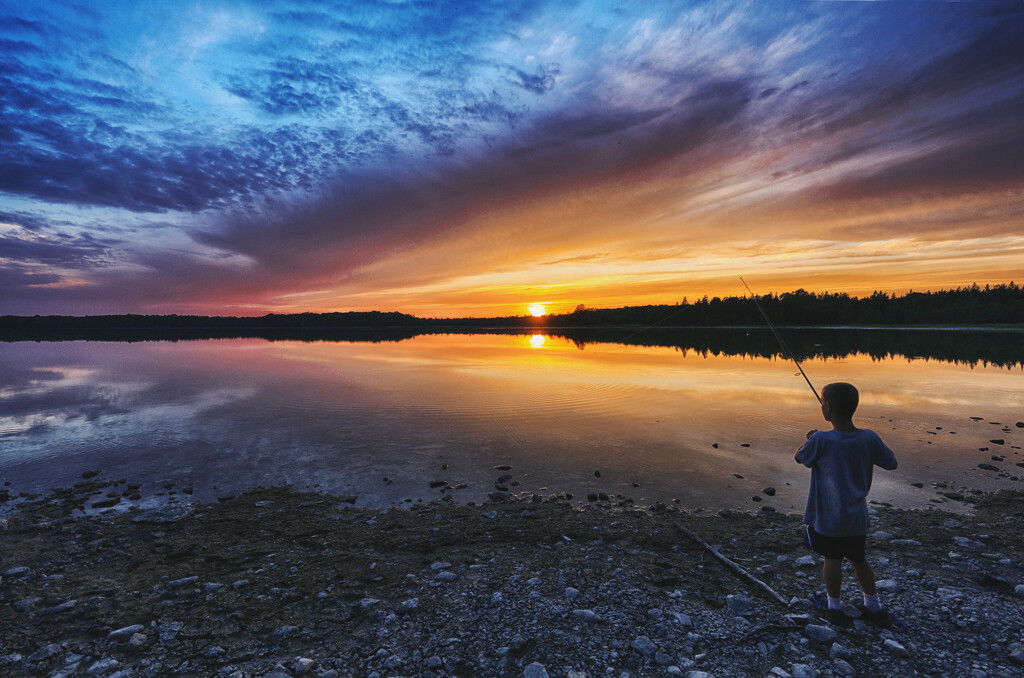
(836,547)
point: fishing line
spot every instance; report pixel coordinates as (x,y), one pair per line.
(779,337)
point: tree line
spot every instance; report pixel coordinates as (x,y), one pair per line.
(974,305)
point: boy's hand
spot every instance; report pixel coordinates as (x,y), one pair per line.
(811,433)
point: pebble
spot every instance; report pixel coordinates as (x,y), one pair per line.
(948,594)
(445,576)
(804,671)
(303,666)
(840,651)
(805,561)
(739,605)
(103,666)
(644,646)
(409,605)
(887,585)
(969,544)
(843,668)
(895,647)
(125,633)
(44,653)
(535,670)
(883,536)
(571,593)
(820,634)
(1019,590)
(588,616)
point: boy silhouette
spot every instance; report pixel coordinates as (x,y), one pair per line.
(841,463)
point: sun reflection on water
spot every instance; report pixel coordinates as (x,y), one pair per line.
(537,340)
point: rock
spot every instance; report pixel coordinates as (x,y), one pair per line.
(285,631)
(303,665)
(820,634)
(17,572)
(769,491)
(438,483)
(368,603)
(682,619)
(662,659)
(895,648)
(86,475)
(887,585)
(1017,654)
(988,467)
(535,670)
(739,604)
(491,514)
(445,576)
(644,646)
(571,593)
(138,640)
(997,441)
(185,581)
(102,667)
(44,653)
(805,561)
(240,583)
(125,633)
(905,542)
(883,536)
(588,616)
(843,668)
(1019,590)
(409,605)
(947,594)
(840,651)
(803,671)
(597,474)
(969,544)
(440,565)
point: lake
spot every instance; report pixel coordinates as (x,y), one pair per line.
(708,418)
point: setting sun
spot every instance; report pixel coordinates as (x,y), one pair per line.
(537,310)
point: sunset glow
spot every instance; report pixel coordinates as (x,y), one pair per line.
(537,310)
(239,158)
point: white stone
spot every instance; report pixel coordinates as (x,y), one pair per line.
(535,670)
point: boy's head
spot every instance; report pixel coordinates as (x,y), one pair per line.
(840,399)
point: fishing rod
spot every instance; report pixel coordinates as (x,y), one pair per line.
(781,340)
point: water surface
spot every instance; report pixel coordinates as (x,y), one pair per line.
(222,415)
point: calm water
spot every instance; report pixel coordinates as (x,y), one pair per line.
(222,415)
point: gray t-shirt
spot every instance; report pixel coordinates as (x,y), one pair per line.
(841,464)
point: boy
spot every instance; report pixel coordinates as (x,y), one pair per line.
(841,462)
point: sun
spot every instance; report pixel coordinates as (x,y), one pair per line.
(537,310)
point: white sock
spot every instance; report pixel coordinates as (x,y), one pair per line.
(836,603)
(871,603)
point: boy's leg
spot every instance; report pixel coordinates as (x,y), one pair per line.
(865,576)
(833,573)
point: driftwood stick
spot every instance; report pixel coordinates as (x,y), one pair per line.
(733,566)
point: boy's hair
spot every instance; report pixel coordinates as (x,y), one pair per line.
(842,397)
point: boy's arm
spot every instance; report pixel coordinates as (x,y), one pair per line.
(884,457)
(808,452)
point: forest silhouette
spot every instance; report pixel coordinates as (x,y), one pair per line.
(832,326)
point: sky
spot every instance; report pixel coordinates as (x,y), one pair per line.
(473,158)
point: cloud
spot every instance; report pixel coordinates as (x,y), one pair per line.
(368,147)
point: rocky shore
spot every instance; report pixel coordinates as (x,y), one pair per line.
(276,582)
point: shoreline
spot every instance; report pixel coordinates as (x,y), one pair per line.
(276,582)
